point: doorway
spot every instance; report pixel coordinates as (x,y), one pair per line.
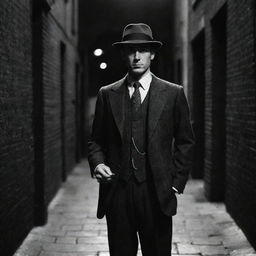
(198,58)
(218,25)
(62,109)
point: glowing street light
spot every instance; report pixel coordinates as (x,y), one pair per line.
(103,65)
(98,52)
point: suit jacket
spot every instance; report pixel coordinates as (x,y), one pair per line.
(169,140)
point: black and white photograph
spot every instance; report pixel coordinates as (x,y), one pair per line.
(127,128)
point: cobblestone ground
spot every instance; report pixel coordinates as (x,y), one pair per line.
(200,227)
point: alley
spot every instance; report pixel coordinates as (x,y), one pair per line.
(200,227)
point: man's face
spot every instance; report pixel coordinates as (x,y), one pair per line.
(138,58)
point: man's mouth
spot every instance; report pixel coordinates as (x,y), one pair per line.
(137,66)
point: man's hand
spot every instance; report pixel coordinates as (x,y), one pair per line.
(103,174)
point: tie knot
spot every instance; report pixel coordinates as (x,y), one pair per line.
(136,85)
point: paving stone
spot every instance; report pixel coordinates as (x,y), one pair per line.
(186,254)
(213,250)
(243,251)
(67,254)
(200,227)
(66,221)
(206,241)
(103,233)
(188,248)
(50,232)
(40,238)
(107,254)
(83,233)
(66,240)
(93,240)
(103,254)
(95,226)
(181,238)
(75,248)
(30,248)
(72,227)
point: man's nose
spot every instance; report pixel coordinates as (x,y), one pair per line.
(136,55)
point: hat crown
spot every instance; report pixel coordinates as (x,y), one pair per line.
(138,33)
(139,29)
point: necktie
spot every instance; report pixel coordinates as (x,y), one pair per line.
(136,99)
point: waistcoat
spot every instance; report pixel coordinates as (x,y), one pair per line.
(135,140)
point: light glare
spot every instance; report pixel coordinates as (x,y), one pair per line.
(98,52)
(103,65)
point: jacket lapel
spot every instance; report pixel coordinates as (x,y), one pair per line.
(157,101)
(117,101)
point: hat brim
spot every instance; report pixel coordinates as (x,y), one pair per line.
(153,44)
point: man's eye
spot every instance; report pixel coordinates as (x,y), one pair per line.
(130,50)
(144,50)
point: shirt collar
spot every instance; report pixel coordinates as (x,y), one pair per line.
(145,80)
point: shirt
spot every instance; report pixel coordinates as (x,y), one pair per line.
(145,85)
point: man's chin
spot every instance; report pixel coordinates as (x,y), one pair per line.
(137,71)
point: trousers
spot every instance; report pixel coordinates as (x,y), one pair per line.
(134,215)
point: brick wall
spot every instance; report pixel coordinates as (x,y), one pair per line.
(16,133)
(57,31)
(241,116)
(32,155)
(234,182)
(201,15)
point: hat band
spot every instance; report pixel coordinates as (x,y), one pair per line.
(137,36)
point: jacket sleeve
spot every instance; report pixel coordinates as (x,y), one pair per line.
(183,142)
(97,142)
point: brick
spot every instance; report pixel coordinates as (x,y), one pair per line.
(207,241)
(66,240)
(74,248)
(213,250)
(82,233)
(67,254)
(40,237)
(188,249)
(72,227)
(51,232)
(93,240)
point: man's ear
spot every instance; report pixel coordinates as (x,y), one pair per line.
(152,55)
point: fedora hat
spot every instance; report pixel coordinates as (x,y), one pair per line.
(137,33)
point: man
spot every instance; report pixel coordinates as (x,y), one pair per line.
(140,150)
